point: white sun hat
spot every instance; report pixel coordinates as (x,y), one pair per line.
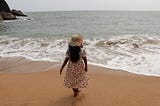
(75,40)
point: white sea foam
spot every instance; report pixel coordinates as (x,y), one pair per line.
(135,53)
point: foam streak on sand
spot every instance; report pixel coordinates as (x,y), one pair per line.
(45,88)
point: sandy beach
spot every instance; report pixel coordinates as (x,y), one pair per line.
(27,83)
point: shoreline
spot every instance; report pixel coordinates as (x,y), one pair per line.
(107,87)
(135,57)
(46,65)
(16,64)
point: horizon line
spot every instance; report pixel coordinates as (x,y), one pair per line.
(93,10)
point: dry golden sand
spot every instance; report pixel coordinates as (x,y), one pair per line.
(107,87)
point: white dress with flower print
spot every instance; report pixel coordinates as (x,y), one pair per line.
(75,76)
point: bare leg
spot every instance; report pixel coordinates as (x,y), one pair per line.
(75,91)
(78,90)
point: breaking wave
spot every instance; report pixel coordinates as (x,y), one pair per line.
(135,53)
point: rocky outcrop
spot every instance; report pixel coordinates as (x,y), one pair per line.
(7,16)
(6,13)
(18,13)
(1,18)
(4,6)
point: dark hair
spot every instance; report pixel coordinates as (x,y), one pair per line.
(74,53)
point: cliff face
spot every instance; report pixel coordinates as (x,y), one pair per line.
(6,13)
(1,18)
(4,6)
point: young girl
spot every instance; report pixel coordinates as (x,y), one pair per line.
(75,76)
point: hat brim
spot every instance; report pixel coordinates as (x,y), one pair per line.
(75,40)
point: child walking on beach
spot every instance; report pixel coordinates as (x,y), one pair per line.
(75,76)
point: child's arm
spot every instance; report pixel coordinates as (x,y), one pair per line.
(85,62)
(64,64)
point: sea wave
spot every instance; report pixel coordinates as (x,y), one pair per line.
(134,53)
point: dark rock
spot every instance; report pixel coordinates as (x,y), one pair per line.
(6,13)
(4,6)
(7,16)
(111,43)
(18,13)
(135,45)
(1,18)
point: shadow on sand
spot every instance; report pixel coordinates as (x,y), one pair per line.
(69,101)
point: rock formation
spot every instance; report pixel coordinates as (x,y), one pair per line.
(6,13)
(1,18)
(7,16)
(4,6)
(18,13)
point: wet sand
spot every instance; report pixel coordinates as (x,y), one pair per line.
(27,83)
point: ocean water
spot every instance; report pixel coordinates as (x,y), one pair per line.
(127,40)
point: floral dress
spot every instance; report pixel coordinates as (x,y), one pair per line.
(75,76)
